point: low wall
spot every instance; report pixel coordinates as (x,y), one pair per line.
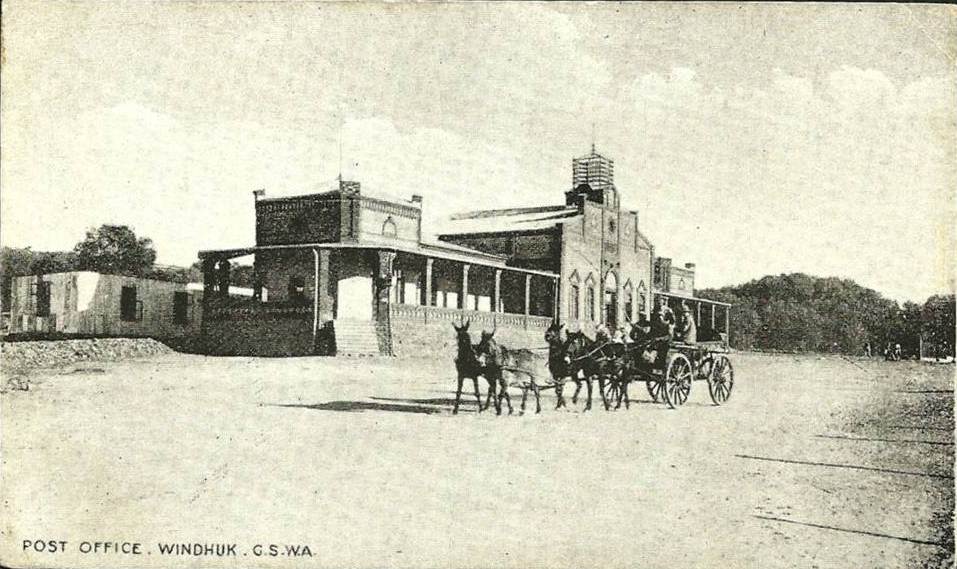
(258,332)
(427,330)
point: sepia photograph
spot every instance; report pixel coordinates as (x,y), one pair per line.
(323,284)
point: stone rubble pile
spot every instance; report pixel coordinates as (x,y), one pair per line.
(16,356)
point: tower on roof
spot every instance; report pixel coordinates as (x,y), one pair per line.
(594,176)
(594,170)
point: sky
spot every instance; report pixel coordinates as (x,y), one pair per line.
(753,139)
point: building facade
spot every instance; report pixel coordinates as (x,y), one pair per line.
(608,270)
(349,272)
(89,303)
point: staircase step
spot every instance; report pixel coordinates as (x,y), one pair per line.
(356,337)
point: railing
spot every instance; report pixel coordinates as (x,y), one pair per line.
(257,311)
(426,314)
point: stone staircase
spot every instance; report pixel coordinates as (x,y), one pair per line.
(355,338)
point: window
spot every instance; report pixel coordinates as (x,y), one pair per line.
(388,228)
(642,299)
(297,288)
(43,298)
(590,306)
(181,308)
(574,302)
(629,305)
(128,305)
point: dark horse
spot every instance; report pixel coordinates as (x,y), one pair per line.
(599,359)
(583,365)
(466,364)
(558,361)
(519,363)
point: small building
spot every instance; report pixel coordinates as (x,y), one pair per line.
(90,303)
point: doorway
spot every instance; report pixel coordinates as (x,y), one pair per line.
(354,298)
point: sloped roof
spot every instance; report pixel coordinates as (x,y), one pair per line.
(506,220)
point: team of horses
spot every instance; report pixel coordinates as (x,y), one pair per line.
(572,356)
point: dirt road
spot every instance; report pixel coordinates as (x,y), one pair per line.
(815,462)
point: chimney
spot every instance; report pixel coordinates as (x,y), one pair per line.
(689,266)
(347,187)
(417,199)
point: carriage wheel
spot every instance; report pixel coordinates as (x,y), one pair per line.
(654,389)
(678,377)
(721,380)
(612,392)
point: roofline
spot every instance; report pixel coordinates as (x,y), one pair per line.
(480,213)
(692,298)
(502,232)
(424,249)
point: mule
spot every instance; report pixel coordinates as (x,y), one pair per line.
(467,365)
(499,360)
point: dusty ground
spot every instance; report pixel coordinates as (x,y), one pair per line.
(815,462)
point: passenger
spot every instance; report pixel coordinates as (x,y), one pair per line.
(601,334)
(623,335)
(687,330)
(641,330)
(662,320)
(662,331)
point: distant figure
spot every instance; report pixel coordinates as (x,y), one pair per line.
(687,331)
(892,352)
(867,349)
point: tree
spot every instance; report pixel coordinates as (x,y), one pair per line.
(115,249)
(801,312)
(239,275)
(22,262)
(938,318)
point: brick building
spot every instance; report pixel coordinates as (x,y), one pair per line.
(608,271)
(349,272)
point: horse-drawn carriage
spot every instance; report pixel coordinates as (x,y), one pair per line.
(668,368)
(670,380)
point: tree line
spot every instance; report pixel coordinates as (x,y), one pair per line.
(794,312)
(799,312)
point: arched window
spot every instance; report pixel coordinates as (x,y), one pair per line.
(388,228)
(629,306)
(642,298)
(590,295)
(574,296)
